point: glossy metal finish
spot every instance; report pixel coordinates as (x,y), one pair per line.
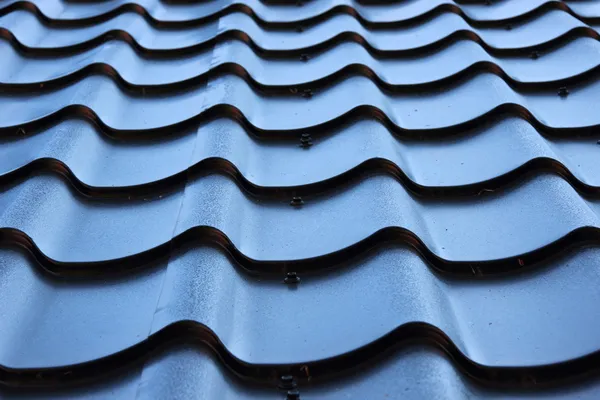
(396,199)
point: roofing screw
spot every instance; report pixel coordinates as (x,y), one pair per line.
(291,278)
(305,141)
(534,55)
(299,29)
(508,27)
(304,57)
(21,131)
(287,382)
(307,93)
(293,395)
(563,91)
(296,201)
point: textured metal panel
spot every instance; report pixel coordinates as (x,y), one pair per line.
(101,100)
(406,11)
(249,315)
(117,58)
(483,160)
(41,38)
(427,168)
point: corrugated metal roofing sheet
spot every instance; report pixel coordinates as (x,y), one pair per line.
(427,169)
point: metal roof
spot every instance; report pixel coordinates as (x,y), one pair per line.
(328,199)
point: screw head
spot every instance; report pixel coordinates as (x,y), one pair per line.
(305,141)
(287,382)
(307,93)
(291,278)
(304,57)
(534,55)
(563,91)
(296,201)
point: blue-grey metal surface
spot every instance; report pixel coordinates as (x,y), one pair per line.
(469,164)
(35,36)
(249,314)
(428,168)
(402,11)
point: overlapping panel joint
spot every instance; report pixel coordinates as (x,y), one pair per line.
(261,199)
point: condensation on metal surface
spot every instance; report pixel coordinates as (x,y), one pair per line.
(225,199)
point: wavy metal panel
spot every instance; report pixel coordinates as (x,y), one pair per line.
(347,199)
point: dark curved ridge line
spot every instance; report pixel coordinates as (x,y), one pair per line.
(361,112)
(343,37)
(293,4)
(410,334)
(217,165)
(310,21)
(206,235)
(327,81)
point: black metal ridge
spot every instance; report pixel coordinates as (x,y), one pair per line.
(410,334)
(133,7)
